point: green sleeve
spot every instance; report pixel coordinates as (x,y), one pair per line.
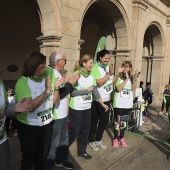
(95,72)
(49,71)
(94,82)
(22,89)
(76,83)
(164,99)
(117,83)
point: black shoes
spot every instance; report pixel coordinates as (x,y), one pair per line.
(85,155)
(66,165)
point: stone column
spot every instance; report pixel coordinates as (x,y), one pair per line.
(137,36)
(49,44)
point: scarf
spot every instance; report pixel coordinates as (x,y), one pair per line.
(37,78)
(101,65)
(84,73)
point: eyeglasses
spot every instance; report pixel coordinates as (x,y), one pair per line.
(65,60)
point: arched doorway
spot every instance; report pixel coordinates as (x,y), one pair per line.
(105,19)
(152,57)
(20,26)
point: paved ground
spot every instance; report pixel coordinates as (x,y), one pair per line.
(140,154)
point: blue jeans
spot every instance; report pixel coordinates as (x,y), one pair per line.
(59,144)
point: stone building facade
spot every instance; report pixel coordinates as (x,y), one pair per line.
(136,30)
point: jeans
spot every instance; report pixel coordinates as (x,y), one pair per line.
(59,144)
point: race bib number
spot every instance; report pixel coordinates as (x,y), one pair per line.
(86,99)
(125,93)
(2,128)
(108,88)
(45,117)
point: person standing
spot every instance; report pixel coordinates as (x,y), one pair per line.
(141,86)
(99,118)
(165,95)
(80,105)
(8,110)
(58,153)
(11,100)
(148,97)
(34,127)
(123,101)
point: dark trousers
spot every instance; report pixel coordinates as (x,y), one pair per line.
(99,121)
(79,124)
(7,123)
(35,143)
(4,156)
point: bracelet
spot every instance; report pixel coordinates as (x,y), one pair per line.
(56,89)
(46,93)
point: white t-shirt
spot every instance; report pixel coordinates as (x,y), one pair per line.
(124,98)
(105,90)
(83,102)
(61,109)
(42,115)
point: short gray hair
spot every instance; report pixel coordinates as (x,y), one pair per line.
(54,57)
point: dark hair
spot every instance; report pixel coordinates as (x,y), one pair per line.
(101,54)
(148,83)
(141,83)
(31,63)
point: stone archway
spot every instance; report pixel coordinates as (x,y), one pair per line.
(152,56)
(105,18)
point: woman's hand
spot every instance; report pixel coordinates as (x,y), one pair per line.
(121,69)
(105,107)
(90,89)
(111,69)
(23,106)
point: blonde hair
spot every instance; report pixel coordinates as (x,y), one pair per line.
(129,63)
(79,63)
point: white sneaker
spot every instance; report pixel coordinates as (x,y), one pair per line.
(161,113)
(93,146)
(100,144)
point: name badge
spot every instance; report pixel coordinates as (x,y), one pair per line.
(108,88)
(45,117)
(86,99)
(125,93)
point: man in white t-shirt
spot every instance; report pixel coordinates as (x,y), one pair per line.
(58,153)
